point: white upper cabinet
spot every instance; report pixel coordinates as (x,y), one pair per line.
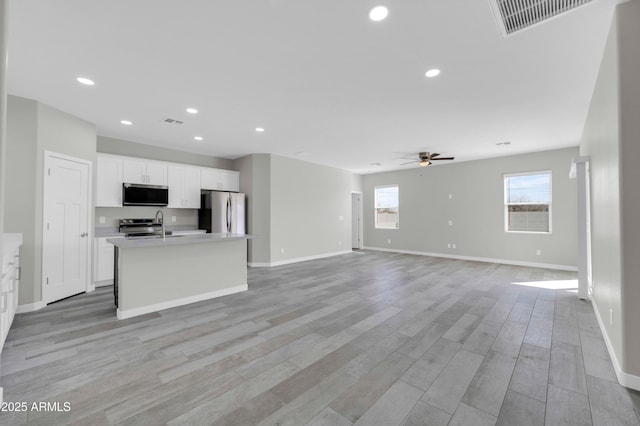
(109,181)
(220,180)
(138,170)
(184,181)
(184,187)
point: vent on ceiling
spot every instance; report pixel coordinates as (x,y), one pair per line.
(172,121)
(515,15)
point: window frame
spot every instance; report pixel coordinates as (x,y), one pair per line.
(505,177)
(375,207)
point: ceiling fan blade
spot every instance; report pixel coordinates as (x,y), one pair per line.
(414,161)
(442,158)
(434,155)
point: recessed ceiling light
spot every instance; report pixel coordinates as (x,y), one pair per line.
(198,138)
(376,164)
(192,110)
(259,129)
(432,72)
(378,13)
(126,122)
(85,81)
(503,143)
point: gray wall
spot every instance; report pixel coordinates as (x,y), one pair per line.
(476,210)
(610,138)
(135,149)
(296,206)
(255,183)
(20,194)
(307,201)
(629,37)
(35,128)
(356,183)
(4,21)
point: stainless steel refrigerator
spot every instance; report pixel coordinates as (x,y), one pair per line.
(222,212)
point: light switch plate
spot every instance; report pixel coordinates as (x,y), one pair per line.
(102,220)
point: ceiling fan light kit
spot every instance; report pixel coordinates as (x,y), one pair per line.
(426,158)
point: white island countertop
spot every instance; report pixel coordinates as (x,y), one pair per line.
(172,240)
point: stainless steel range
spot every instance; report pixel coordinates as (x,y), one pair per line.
(140,228)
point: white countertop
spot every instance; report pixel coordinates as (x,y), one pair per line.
(125,243)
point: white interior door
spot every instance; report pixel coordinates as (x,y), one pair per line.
(65,240)
(356,220)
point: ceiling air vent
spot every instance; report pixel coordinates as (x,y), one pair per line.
(172,121)
(516,15)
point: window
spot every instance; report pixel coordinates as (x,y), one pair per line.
(527,199)
(387,207)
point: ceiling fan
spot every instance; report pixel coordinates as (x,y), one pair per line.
(425,158)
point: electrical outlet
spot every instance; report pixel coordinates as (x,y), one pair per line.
(339,243)
(610,316)
(538,252)
(450,196)
(389,241)
(173,218)
(449,245)
(281,251)
(450,223)
(340,218)
(102,220)
(453,245)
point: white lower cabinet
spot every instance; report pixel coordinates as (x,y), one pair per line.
(103,261)
(9,289)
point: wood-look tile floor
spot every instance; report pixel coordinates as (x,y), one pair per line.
(365,338)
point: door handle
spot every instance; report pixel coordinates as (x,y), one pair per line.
(84,234)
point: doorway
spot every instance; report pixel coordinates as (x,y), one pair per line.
(65,233)
(356,220)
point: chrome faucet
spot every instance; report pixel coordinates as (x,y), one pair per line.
(161,215)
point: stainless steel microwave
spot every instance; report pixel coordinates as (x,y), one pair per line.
(134,194)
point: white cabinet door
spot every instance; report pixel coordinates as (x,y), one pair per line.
(134,171)
(209,179)
(109,181)
(219,180)
(192,188)
(143,171)
(156,173)
(230,180)
(176,187)
(184,187)
(103,261)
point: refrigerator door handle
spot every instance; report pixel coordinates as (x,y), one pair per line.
(228,214)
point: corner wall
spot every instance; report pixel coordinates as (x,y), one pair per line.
(610,138)
(310,210)
(33,128)
(298,210)
(476,209)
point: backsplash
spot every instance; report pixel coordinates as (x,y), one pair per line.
(113,214)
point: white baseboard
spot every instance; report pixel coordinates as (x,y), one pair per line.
(296,259)
(30,307)
(480,259)
(130,313)
(625,379)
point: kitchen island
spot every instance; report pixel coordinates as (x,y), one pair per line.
(152,274)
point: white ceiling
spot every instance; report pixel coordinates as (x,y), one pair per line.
(328,85)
